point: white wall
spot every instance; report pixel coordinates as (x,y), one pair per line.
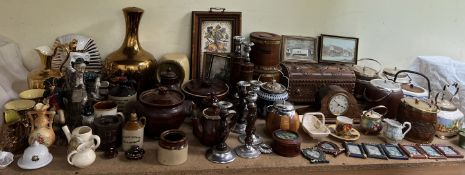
(394,31)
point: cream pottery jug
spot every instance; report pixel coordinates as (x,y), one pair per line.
(83,156)
(79,136)
(392,130)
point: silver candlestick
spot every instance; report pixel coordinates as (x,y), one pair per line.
(248,150)
(242,87)
(251,99)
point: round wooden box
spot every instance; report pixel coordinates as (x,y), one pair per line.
(286,143)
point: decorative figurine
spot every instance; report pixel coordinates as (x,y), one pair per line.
(251,99)
(242,110)
(248,150)
(53,96)
(247,66)
(221,153)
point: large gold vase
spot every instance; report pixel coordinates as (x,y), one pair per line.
(130,59)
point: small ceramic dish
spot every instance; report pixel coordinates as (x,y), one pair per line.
(32,94)
(313,126)
(19,105)
(354,134)
(5,159)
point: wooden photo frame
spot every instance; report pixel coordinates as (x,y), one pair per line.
(329,148)
(299,49)
(354,150)
(374,151)
(216,66)
(448,151)
(393,151)
(212,31)
(431,151)
(338,49)
(413,151)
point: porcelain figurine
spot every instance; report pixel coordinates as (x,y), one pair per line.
(392,130)
(53,96)
(41,122)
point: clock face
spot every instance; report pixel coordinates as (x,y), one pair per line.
(338,104)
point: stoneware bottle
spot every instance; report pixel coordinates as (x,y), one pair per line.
(133,132)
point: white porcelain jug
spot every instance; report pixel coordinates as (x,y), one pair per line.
(392,130)
(83,156)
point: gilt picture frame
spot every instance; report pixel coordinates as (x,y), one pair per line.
(212,31)
(338,49)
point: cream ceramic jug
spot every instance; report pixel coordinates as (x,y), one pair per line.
(392,130)
(83,156)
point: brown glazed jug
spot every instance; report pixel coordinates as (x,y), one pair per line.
(207,126)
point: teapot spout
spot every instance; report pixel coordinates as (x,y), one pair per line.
(67,132)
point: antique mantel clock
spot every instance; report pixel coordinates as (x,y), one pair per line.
(335,101)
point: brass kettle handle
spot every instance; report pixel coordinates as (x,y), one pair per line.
(371,59)
(379,107)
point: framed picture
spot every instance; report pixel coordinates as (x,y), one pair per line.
(338,49)
(212,31)
(216,66)
(299,49)
(394,152)
(374,151)
(430,151)
(354,150)
(329,148)
(448,151)
(314,155)
(413,151)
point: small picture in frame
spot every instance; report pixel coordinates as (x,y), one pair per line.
(413,151)
(314,155)
(354,150)
(430,151)
(338,49)
(448,151)
(394,152)
(217,66)
(374,151)
(299,49)
(329,148)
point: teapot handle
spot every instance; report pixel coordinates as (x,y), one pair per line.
(409,127)
(143,120)
(97,139)
(121,115)
(374,60)
(418,73)
(379,107)
(315,114)
(70,155)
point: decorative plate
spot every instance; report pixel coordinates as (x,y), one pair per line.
(86,48)
(354,134)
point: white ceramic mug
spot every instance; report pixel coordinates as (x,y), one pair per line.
(102,108)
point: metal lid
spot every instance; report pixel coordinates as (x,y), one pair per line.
(283,106)
(385,84)
(412,88)
(205,87)
(420,105)
(446,105)
(393,71)
(273,87)
(366,72)
(161,97)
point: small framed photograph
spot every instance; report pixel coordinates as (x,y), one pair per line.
(374,151)
(216,66)
(354,150)
(329,148)
(299,49)
(448,151)
(430,151)
(338,49)
(314,155)
(413,151)
(394,152)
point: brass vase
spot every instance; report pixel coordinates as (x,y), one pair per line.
(36,78)
(130,59)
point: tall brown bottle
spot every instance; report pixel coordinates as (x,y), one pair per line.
(130,59)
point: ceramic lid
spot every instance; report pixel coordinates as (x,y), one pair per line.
(420,105)
(35,156)
(365,71)
(161,97)
(446,105)
(385,84)
(393,71)
(205,87)
(168,76)
(286,135)
(273,87)
(265,36)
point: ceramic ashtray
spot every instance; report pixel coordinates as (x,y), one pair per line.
(5,159)
(313,126)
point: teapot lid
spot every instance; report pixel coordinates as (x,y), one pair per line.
(365,71)
(283,106)
(420,105)
(168,75)
(412,88)
(393,71)
(162,96)
(446,105)
(204,87)
(273,87)
(385,84)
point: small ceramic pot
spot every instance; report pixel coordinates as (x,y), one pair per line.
(286,143)
(172,147)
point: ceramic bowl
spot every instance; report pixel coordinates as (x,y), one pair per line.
(31,94)
(5,159)
(313,126)
(19,105)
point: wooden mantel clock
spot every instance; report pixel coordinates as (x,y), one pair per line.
(335,101)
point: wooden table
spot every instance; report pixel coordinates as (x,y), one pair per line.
(269,164)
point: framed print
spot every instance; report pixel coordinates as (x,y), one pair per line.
(374,151)
(394,152)
(314,155)
(329,148)
(299,49)
(430,151)
(448,151)
(212,31)
(338,49)
(413,151)
(216,66)
(354,150)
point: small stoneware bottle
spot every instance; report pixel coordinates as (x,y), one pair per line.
(133,132)
(172,147)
